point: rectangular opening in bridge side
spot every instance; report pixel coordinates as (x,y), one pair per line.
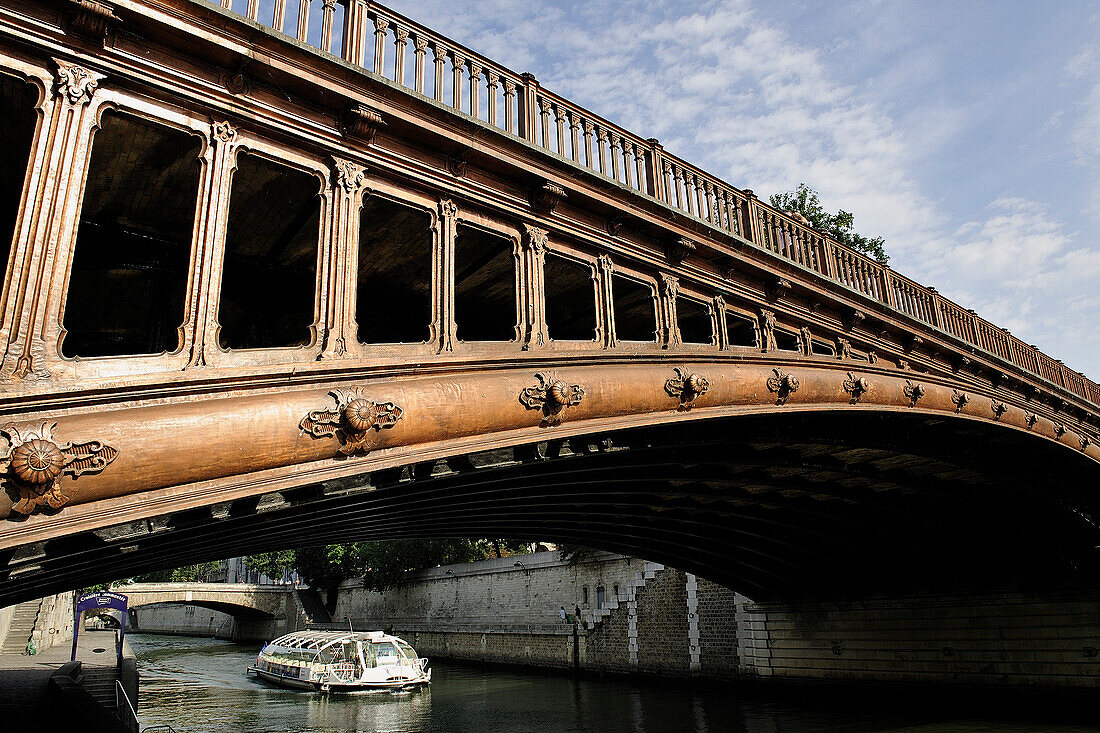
(694,320)
(485,285)
(17,124)
(635,309)
(570,299)
(271,240)
(127,288)
(787,340)
(394,297)
(822,348)
(741,330)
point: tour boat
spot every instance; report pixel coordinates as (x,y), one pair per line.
(341,661)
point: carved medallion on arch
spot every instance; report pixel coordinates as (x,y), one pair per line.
(783,385)
(354,420)
(913,392)
(551,396)
(688,386)
(856,387)
(35,462)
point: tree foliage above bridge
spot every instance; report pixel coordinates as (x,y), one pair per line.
(804,200)
(380,564)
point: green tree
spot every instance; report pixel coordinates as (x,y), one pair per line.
(839,226)
(271,564)
(187,574)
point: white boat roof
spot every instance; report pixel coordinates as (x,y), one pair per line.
(319,639)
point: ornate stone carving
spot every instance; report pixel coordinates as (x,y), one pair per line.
(458,164)
(807,340)
(545,198)
(447,208)
(687,386)
(670,285)
(224,132)
(854,319)
(1059,429)
(679,249)
(551,396)
(75,83)
(913,392)
(999,409)
(352,420)
(783,385)
(536,238)
(960,399)
(913,342)
(843,348)
(872,357)
(348,175)
(90,19)
(767,330)
(363,123)
(1084,440)
(856,387)
(35,463)
(903,364)
(1030,418)
(614,227)
(776,288)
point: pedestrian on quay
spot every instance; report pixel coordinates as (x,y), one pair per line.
(577,613)
(561,614)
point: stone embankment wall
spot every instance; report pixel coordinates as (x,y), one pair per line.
(635,616)
(49,623)
(1012,640)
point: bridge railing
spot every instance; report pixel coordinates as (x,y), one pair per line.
(379,40)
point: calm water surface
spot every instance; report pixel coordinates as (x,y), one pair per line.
(200,685)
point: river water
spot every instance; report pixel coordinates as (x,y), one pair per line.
(198,685)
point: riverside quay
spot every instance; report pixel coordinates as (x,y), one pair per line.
(309,272)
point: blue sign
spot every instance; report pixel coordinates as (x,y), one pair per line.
(100,600)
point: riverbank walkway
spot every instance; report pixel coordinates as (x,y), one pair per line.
(24,700)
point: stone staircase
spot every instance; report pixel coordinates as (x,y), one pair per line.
(99,682)
(310,604)
(21,628)
(626,595)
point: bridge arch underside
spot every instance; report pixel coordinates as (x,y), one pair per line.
(797,505)
(236,610)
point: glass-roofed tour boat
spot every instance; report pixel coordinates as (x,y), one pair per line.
(341,661)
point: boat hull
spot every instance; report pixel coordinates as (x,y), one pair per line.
(300,684)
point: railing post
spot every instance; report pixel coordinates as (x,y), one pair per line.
(528,107)
(888,287)
(937,307)
(753,231)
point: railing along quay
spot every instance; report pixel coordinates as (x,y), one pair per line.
(518,105)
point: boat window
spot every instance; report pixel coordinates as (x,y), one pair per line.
(386,652)
(409,652)
(370,658)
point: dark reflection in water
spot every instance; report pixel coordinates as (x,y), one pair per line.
(197,685)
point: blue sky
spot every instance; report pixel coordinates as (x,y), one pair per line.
(966,133)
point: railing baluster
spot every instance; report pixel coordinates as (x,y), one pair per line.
(626,163)
(420,48)
(303,19)
(614,156)
(252,9)
(380,26)
(575,135)
(278,15)
(544,112)
(327,13)
(475,88)
(589,129)
(639,166)
(601,140)
(493,81)
(439,55)
(459,62)
(400,38)
(509,94)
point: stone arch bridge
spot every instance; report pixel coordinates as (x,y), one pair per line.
(260,611)
(291,279)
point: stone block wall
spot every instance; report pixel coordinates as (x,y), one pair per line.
(183,620)
(54,624)
(1014,640)
(717,645)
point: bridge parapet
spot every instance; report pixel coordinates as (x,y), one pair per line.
(518,105)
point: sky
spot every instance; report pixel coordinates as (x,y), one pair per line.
(965,133)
